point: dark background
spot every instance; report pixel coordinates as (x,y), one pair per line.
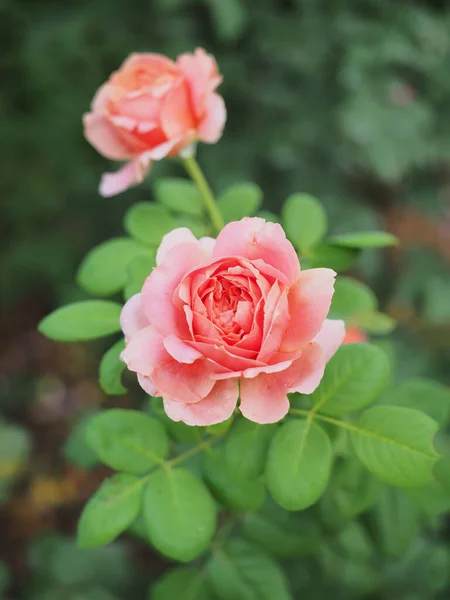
(348,100)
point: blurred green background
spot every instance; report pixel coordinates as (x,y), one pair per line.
(348,100)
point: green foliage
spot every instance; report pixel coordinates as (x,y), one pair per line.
(351,298)
(235,491)
(182,582)
(354,378)
(240,571)
(15,447)
(179,195)
(137,272)
(80,321)
(110,370)
(104,270)
(76,449)
(127,440)
(281,533)
(396,444)
(304,220)
(246,448)
(179,513)
(148,222)
(240,200)
(366,239)
(425,395)
(110,511)
(299,463)
(396,520)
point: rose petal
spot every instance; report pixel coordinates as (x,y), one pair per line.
(254,238)
(180,351)
(262,399)
(132,317)
(146,355)
(202,76)
(115,183)
(330,337)
(218,406)
(309,302)
(181,235)
(160,285)
(211,127)
(147,385)
(106,138)
(176,115)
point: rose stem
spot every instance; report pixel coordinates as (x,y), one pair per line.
(196,174)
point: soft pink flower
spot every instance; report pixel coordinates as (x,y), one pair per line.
(219,319)
(153,107)
(353,335)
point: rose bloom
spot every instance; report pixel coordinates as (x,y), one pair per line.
(353,335)
(219,319)
(153,107)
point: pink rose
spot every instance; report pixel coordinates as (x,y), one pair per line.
(353,335)
(219,319)
(153,107)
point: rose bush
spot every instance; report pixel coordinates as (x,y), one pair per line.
(153,107)
(237,310)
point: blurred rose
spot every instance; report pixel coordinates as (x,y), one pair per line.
(234,316)
(153,107)
(353,335)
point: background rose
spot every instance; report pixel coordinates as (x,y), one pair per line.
(214,313)
(353,335)
(153,107)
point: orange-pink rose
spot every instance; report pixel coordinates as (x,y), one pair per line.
(353,335)
(153,107)
(219,319)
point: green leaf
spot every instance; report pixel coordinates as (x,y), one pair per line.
(240,200)
(179,431)
(81,321)
(179,513)
(282,533)
(425,395)
(333,257)
(237,493)
(304,220)
(354,489)
(219,428)
(246,448)
(241,571)
(110,511)
(183,583)
(4,577)
(351,298)
(137,272)
(366,239)
(179,195)
(375,322)
(110,370)
(103,271)
(353,379)
(298,464)
(15,447)
(127,440)
(396,444)
(76,448)
(148,222)
(229,17)
(197,226)
(396,520)
(442,472)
